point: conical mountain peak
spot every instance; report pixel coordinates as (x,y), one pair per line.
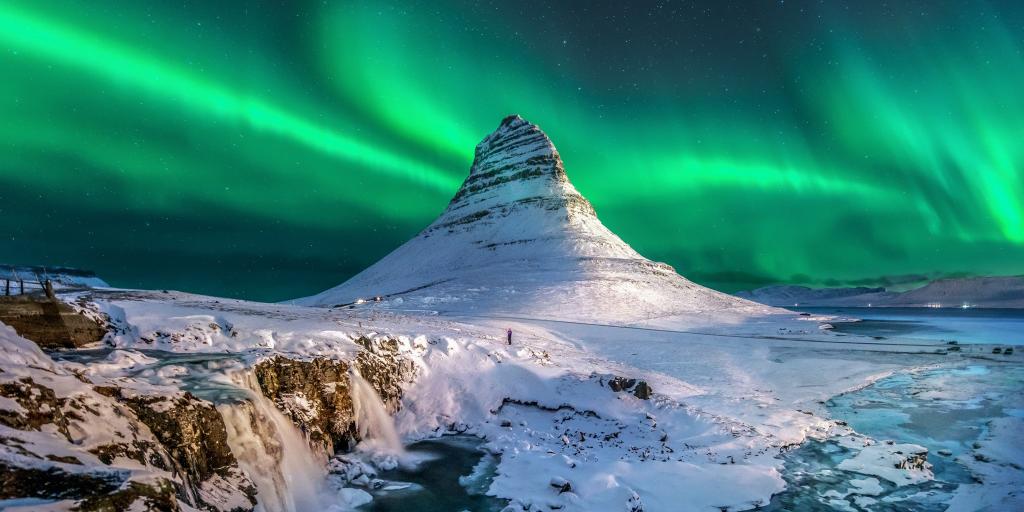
(516,141)
(519,238)
(517,155)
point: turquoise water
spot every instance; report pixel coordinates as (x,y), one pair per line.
(943,409)
(453,475)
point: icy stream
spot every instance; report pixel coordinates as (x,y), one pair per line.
(450,474)
(946,409)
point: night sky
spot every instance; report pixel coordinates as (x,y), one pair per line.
(268,150)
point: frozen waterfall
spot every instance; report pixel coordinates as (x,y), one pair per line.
(289,475)
(376,426)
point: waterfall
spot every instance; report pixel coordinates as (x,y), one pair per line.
(289,475)
(376,426)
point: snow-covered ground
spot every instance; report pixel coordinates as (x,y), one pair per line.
(723,409)
(544,403)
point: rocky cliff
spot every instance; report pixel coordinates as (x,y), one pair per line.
(317,394)
(99,440)
(103,447)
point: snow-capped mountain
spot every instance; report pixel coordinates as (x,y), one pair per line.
(792,295)
(991,292)
(987,292)
(518,238)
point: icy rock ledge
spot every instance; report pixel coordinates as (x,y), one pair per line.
(901,464)
(95,438)
(317,393)
(102,446)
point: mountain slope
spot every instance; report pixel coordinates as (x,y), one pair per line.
(791,295)
(992,292)
(519,239)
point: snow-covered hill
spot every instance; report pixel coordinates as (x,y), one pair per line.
(986,292)
(792,295)
(519,239)
(992,292)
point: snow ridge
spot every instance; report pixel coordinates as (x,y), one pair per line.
(518,178)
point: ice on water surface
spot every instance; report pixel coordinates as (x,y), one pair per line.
(946,410)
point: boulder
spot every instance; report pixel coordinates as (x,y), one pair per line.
(640,388)
(561,484)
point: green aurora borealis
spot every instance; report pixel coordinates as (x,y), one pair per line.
(252,150)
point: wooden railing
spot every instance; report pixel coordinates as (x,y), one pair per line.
(21,286)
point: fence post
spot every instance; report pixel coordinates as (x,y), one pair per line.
(7,286)
(21,287)
(48,288)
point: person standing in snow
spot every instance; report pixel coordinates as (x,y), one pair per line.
(509,334)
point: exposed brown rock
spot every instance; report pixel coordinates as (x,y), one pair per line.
(40,403)
(54,482)
(190,443)
(618,384)
(640,388)
(52,324)
(316,394)
(194,439)
(150,497)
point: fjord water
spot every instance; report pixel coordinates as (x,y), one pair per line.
(945,409)
(964,325)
